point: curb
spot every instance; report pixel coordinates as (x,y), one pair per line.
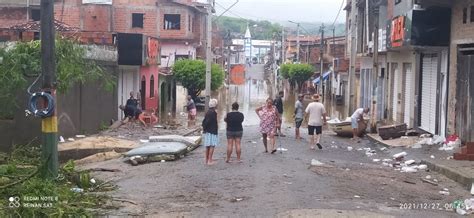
(453,174)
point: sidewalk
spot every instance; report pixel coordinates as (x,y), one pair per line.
(459,171)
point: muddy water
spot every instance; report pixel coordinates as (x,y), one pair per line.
(251,95)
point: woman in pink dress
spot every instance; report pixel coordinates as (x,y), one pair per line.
(269,120)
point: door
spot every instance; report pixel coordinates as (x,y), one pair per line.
(464,91)
(429,82)
(409,94)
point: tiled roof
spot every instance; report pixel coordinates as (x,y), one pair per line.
(36,26)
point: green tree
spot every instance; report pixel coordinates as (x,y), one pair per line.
(22,61)
(300,73)
(296,74)
(192,75)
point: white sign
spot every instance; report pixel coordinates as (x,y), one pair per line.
(101,2)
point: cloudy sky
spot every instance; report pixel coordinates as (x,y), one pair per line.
(283,10)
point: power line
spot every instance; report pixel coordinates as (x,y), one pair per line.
(338,13)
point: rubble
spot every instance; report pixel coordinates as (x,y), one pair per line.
(444,192)
(399,155)
(315,162)
(409,169)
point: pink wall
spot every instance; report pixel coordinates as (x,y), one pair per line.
(146,72)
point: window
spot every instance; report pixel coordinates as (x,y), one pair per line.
(464,15)
(172,22)
(35,14)
(472,14)
(152,86)
(137,20)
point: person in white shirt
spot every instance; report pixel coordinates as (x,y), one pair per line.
(357,116)
(315,114)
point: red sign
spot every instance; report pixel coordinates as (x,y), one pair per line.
(152,51)
(397,35)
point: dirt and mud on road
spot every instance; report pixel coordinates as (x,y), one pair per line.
(279,184)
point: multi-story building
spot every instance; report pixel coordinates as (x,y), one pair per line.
(177,24)
(411,78)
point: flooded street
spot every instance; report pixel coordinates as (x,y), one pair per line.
(253,94)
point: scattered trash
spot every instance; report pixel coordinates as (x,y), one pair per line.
(445,189)
(435,180)
(386,164)
(61,139)
(162,161)
(426,136)
(392,199)
(444,192)
(429,181)
(360,149)
(282,149)
(432,157)
(347,169)
(333,142)
(80,136)
(417,145)
(144,140)
(315,162)
(383,148)
(409,169)
(399,155)
(356,196)
(233,200)
(253,142)
(71,139)
(472,189)
(288,183)
(460,211)
(449,158)
(92,181)
(376,160)
(349,148)
(404,137)
(77,190)
(159,126)
(422,167)
(428,177)
(438,140)
(409,162)
(409,182)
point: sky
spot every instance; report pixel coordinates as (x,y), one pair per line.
(284,10)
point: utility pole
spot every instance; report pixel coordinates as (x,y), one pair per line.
(298,42)
(350,99)
(229,52)
(321,53)
(208,52)
(49,125)
(375,70)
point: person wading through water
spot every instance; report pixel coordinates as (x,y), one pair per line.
(269,120)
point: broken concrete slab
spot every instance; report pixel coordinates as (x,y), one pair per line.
(92,145)
(157,148)
(103,156)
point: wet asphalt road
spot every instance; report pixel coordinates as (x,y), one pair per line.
(284,184)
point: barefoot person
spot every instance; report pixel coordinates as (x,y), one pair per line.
(279,106)
(269,120)
(234,121)
(298,115)
(356,117)
(315,113)
(209,126)
(191,108)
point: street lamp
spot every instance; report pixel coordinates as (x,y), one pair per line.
(297,40)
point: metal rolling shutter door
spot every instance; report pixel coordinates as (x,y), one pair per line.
(428,92)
